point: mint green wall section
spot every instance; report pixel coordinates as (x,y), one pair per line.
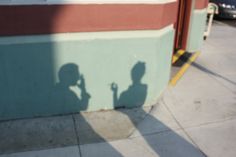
(196,31)
(29,68)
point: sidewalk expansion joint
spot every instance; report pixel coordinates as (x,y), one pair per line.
(182,128)
(213,122)
(76,134)
(135,128)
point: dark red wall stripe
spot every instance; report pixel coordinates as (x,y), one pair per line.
(46,19)
(201,4)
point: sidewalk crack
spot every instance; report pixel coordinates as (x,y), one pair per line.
(77,136)
(182,128)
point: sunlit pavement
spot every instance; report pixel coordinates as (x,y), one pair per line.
(196,118)
(204,101)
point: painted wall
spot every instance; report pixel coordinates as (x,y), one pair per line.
(43,2)
(41,19)
(74,55)
(31,66)
(197,25)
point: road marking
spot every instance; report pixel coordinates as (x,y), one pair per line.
(184,68)
(177,56)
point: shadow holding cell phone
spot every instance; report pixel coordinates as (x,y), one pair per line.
(63,99)
(136,93)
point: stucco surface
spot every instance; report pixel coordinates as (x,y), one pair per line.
(30,84)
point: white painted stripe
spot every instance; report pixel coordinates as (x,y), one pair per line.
(84,36)
(46,2)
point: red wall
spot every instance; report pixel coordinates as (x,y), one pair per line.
(45,19)
(201,4)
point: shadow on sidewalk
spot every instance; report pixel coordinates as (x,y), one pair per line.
(135,96)
(208,71)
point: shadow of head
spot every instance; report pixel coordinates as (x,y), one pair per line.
(67,99)
(138,72)
(136,93)
(69,74)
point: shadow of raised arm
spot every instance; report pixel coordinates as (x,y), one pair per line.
(85,96)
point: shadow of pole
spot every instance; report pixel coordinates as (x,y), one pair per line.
(208,71)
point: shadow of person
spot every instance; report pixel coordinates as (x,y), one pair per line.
(63,97)
(165,145)
(67,101)
(136,94)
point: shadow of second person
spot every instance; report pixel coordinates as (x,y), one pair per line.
(136,93)
(63,99)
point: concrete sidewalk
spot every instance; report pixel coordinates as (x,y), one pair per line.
(196,118)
